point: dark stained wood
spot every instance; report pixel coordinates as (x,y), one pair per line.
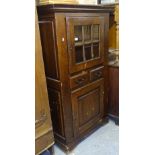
(79,80)
(113,106)
(64,76)
(49,49)
(87,104)
(97,73)
(56,111)
(52,8)
(54,83)
(77,92)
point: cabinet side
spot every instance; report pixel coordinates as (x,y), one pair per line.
(51,62)
(47,32)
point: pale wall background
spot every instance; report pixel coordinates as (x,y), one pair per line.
(94,1)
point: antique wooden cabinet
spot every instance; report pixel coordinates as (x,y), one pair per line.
(75,46)
(43,128)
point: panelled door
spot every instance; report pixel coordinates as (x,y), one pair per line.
(85,42)
(87,104)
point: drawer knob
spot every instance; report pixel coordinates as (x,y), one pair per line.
(98,74)
(80,81)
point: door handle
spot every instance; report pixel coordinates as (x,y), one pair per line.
(98,74)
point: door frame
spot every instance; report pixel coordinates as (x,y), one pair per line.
(83,20)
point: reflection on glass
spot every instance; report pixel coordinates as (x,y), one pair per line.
(78,54)
(96,50)
(95,32)
(78,33)
(88,52)
(87,42)
(87,32)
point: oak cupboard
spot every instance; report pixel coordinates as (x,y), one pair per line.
(43,127)
(75,47)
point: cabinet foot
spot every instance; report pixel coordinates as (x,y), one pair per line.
(114,118)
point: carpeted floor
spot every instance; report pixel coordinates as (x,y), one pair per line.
(104,141)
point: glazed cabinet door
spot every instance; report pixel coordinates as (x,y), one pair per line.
(87,106)
(85,42)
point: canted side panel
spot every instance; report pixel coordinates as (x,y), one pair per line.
(88,106)
(49,48)
(56,112)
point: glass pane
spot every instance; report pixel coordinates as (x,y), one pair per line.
(96,50)
(95,32)
(78,54)
(87,32)
(88,52)
(78,33)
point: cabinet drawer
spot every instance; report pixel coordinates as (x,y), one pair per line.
(96,73)
(79,80)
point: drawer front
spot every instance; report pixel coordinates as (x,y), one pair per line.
(79,80)
(96,73)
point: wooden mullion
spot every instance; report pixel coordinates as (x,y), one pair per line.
(84,57)
(99,29)
(92,53)
(99,33)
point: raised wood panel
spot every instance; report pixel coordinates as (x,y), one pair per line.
(56,111)
(49,48)
(87,104)
(43,126)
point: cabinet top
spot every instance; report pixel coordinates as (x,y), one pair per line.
(73,8)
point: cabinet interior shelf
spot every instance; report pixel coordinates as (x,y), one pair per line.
(86,42)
